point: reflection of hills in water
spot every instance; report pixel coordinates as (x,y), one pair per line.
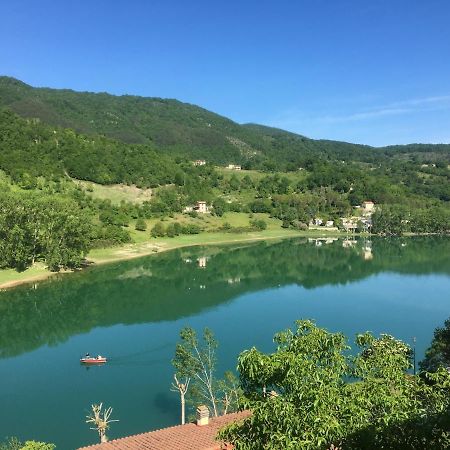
(186,281)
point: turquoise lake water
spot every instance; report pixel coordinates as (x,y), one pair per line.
(133,311)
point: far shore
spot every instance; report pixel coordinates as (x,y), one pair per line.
(10,278)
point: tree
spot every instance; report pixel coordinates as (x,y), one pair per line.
(311,394)
(198,361)
(181,388)
(101,420)
(15,444)
(219,207)
(258,224)
(158,230)
(438,354)
(141,225)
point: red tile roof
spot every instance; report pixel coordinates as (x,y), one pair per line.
(181,437)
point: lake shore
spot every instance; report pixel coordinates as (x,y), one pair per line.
(10,278)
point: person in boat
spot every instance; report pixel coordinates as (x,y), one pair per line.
(87,355)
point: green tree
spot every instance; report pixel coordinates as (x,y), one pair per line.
(158,230)
(219,207)
(438,354)
(141,225)
(311,394)
(15,444)
(196,361)
(258,224)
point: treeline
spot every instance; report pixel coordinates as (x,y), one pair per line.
(29,149)
(48,228)
(399,219)
(193,132)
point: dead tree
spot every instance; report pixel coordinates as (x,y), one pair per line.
(182,388)
(101,420)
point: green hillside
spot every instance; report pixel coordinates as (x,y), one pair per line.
(87,157)
(181,128)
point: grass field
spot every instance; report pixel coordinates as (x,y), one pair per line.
(115,192)
(256,175)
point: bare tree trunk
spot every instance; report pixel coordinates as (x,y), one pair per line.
(183,407)
(182,388)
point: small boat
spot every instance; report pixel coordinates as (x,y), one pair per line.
(93,360)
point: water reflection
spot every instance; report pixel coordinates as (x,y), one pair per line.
(185,282)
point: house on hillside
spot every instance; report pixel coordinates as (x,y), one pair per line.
(350,224)
(368,207)
(199,162)
(234,167)
(200,207)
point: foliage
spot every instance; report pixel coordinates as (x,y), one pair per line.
(50,228)
(15,444)
(258,224)
(197,361)
(438,354)
(311,394)
(140,225)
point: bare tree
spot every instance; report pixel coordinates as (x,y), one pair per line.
(101,420)
(198,362)
(182,388)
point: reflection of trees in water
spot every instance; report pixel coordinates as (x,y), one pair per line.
(166,287)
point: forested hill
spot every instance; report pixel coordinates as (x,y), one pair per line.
(181,128)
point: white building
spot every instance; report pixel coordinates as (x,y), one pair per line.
(368,207)
(201,207)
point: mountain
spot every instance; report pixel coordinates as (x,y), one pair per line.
(178,128)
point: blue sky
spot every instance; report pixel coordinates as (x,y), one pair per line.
(368,71)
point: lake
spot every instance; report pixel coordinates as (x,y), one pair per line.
(133,311)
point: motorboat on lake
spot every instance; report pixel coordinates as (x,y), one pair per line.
(88,359)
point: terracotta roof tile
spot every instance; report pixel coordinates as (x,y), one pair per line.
(181,437)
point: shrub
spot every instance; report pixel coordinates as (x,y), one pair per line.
(141,225)
(258,224)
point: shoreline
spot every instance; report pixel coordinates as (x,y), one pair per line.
(99,257)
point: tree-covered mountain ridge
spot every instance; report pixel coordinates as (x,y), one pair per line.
(184,129)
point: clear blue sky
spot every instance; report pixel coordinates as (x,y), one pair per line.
(369,71)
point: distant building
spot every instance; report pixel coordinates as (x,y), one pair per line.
(234,167)
(202,261)
(201,207)
(349,224)
(366,223)
(199,162)
(368,207)
(329,223)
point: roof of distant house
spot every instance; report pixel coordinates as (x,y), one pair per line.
(181,437)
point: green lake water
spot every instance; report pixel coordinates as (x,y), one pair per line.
(133,311)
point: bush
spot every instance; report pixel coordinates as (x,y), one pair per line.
(141,225)
(258,224)
(159,230)
(191,228)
